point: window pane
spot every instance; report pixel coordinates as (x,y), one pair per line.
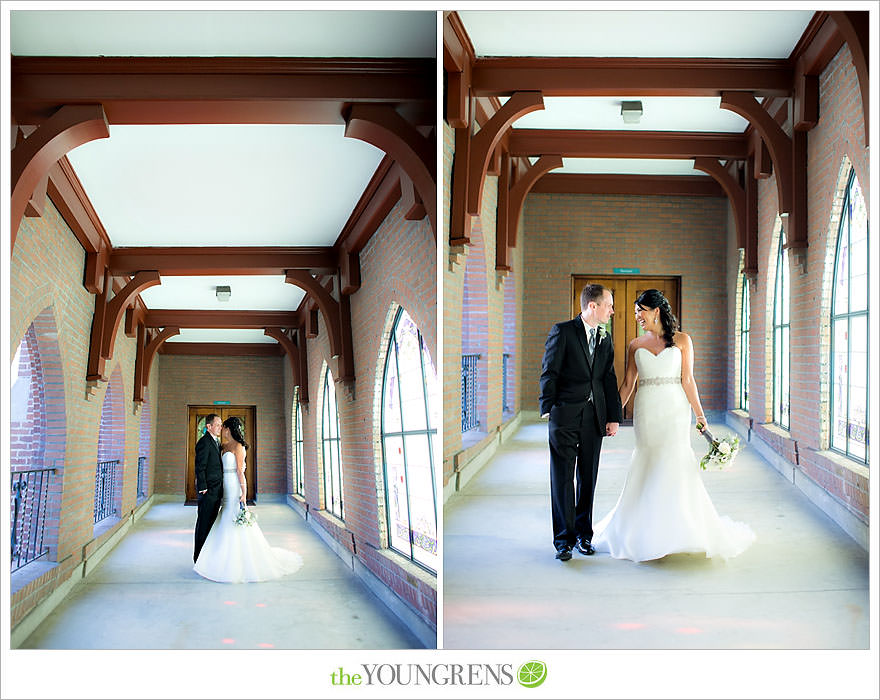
(412,383)
(858,389)
(841,269)
(839,382)
(421,500)
(391,404)
(786,295)
(785,417)
(432,387)
(398,507)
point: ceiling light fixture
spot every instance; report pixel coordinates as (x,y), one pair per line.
(223,293)
(631,112)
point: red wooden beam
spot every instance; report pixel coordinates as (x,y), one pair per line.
(589,183)
(198,318)
(70,199)
(330,310)
(588,77)
(627,144)
(735,193)
(817,46)
(146,353)
(211,260)
(521,187)
(221,90)
(378,199)
(290,349)
(853,27)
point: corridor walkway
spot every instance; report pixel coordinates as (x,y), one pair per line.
(802,585)
(145,595)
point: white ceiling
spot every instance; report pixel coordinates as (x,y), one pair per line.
(658,114)
(249,293)
(628,166)
(680,33)
(225,185)
(295,33)
(220,335)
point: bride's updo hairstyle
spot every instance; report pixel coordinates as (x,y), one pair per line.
(654,299)
(235,429)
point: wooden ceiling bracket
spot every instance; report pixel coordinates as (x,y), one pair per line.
(383,127)
(735,193)
(299,337)
(33,157)
(777,141)
(349,272)
(459,219)
(853,26)
(337,317)
(502,224)
(413,206)
(108,316)
(290,349)
(484,142)
(750,262)
(517,197)
(148,344)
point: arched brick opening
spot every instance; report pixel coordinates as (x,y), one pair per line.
(111,453)
(509,358)
(145,449)
(475,327)
(37,442)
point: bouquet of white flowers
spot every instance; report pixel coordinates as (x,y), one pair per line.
(245,516)
(721,451)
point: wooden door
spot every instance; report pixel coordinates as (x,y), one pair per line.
(623,327)
(196,428)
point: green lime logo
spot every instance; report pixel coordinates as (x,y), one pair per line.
(532,673)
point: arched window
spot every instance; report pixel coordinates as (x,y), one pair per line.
(781,338)
(849,329)
(409,442)
(744,328)
(111,450)
(331,451)
(298,470)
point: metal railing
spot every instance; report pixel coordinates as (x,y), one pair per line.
(469,419)
(505,378)
(142,478)
(105,483)
(29,491)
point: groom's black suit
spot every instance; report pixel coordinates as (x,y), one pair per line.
(209,475)
(577,424)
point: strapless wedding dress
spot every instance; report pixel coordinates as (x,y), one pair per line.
(239,553)
(664,507)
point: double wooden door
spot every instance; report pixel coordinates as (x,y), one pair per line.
(196,428)
(623,327)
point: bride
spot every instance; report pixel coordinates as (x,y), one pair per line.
(664,507)
(235,553)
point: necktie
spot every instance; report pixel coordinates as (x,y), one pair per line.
(592,343)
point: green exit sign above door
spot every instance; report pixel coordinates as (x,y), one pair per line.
(627,271)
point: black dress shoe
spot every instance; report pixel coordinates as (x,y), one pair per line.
(563,553)
(584,546)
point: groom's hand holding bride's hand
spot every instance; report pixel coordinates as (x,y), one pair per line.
(611,429)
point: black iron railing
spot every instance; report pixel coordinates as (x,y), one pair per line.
(142,478)
(105,483)
(29,491)
(469,419)
(505,378)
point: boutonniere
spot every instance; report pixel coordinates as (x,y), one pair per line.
(602,333)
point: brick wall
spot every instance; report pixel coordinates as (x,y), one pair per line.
(46,273)
(834,146)
(398,267)
(27,425)
(568,234)
(189,380)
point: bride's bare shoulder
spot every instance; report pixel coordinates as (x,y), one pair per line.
(682,340)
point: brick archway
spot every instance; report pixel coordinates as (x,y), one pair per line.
(110,467)
(475,318)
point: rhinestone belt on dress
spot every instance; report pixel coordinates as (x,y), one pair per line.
(654,381)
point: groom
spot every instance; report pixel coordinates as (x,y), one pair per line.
(579,394)
(209,479)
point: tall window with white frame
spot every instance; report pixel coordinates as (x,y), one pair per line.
(331,451)
(781,339)
(744,329)
(849,329)
(298,469)
(409,443)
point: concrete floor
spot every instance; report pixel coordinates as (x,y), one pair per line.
(145,595)
(802,585)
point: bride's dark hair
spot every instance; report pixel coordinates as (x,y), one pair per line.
(654,299)
(236,430)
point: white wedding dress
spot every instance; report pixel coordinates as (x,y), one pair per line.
(664,507)
(239,553)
